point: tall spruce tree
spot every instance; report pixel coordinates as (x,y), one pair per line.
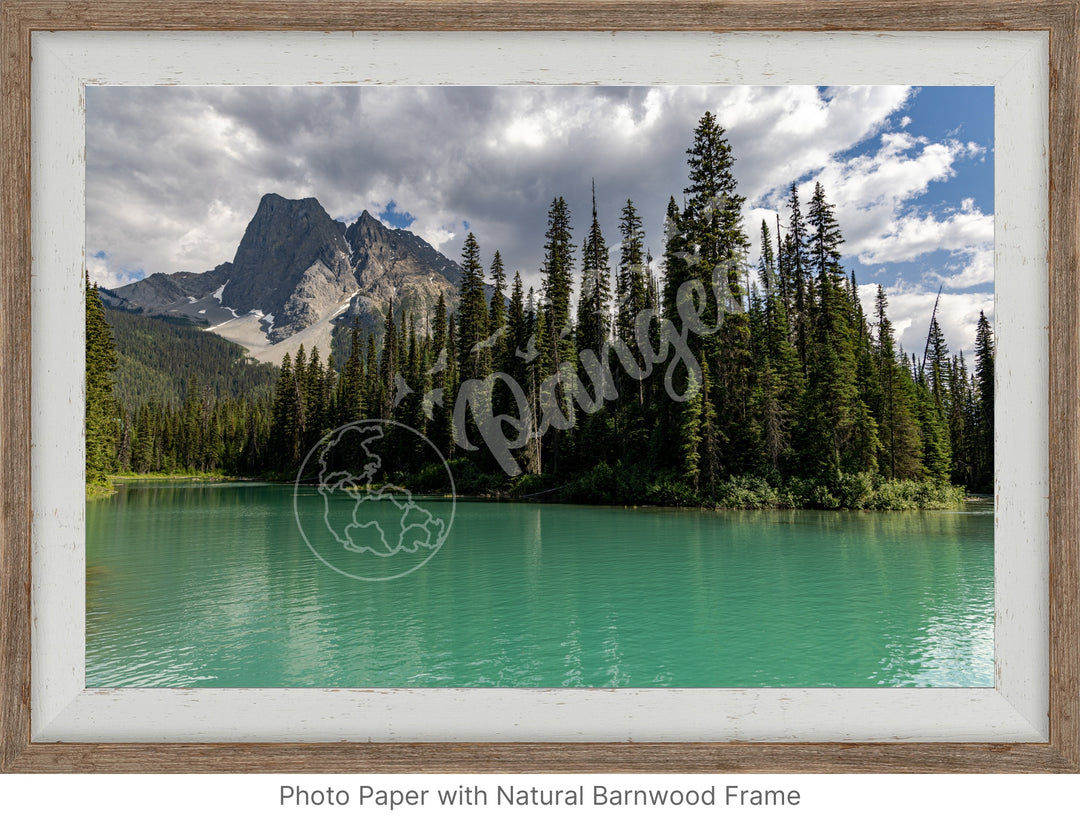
(350,391)
(284,427)
(676,264)
(899,434)
(102,415)
(780,377)
(630,284)
(557,272)
(593,320)
(497,310)
(795,275)
(558,346)
(473,331)
(984,384)
(712,224)
(936,362)
(831,414)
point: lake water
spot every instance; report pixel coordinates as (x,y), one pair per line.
(212,585)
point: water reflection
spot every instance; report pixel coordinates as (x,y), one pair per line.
(211,585)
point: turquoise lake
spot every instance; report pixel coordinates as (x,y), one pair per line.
(212,585)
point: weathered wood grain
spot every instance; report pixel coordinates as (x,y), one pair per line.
(18,18)
(1065,387)
(14,385)
(568,15)
(544,758)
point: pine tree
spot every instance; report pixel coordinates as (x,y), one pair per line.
(536,369)
(780,377)
(866,444)
(937,454)
(316,402)
(632,287)
(350,391)
(936,363)
(419,381)
(825,240)
(497,308)
(373,392)
(388,366)
(473,330)
(442,373)
(832,407)
(445,431)
(302,415)
(795,275)
(438,333)
(690,436)
(630,284)
(101,413)
(556,284)
(712,224)
(558,345)
(961,414)
(984,384)
(899,434)
(592,319)
(284,439)
(675,264)
(517,333)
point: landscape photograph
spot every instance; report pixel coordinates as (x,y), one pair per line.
(540,386)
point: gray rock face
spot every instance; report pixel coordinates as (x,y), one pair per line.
(394,266)
(386,255)
(161,290)
(293,263)
(295,267)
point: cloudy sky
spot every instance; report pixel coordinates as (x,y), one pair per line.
(174,174)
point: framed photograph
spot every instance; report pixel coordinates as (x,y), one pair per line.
(540,387)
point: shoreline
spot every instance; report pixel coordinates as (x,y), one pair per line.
(789,496)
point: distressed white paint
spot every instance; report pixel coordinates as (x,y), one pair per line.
(1015,710)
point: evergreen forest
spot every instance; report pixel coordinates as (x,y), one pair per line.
(803,398)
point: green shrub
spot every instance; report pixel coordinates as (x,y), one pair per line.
(854,490)
(667,491)
(747,492)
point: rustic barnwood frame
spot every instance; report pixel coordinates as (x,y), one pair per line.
(1059,18)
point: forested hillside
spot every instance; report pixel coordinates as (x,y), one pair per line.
(158,359)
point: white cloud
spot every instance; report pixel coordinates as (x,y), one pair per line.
(910,308)
(910,236)
(175,173)
(872,194)
(875,197)
(977,268)
(98,271)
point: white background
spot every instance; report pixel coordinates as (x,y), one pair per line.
(880,801)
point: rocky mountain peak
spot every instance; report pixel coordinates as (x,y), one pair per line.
(298,271)
(290,244)
(381,252)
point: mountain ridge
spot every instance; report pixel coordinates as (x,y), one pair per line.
(296,275)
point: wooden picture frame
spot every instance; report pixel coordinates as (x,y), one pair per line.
(1059,18)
